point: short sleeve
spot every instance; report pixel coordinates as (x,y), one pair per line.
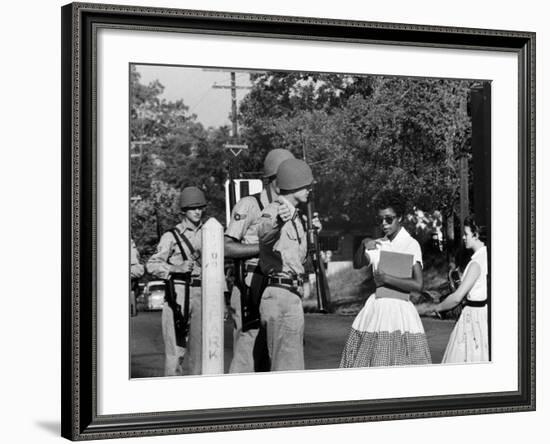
(416,251)
(240,220)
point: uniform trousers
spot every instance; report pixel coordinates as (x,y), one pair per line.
(249,347)
(282,315)
(183,360)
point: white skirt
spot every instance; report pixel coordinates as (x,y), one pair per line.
(469,340)
(386,332)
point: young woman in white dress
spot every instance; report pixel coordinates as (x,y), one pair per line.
(469,340)
(388,331)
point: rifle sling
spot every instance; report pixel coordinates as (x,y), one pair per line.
(176,233)
(258,198)
(187,242)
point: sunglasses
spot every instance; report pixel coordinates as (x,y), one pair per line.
(387,219)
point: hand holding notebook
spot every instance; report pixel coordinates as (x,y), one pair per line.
(397,265)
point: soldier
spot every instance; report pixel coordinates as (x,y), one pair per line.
(283,251)
(177,261)
(136,272)
(241,242)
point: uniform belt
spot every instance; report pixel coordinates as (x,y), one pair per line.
(193,282)
(288,284)
(476,303)
(284,281)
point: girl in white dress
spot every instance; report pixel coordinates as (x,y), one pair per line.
(469,340)
(388,331)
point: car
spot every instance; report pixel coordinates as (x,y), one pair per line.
(153,295)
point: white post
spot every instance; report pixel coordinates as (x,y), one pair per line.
(213,286)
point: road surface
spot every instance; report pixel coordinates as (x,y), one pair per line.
(325,336)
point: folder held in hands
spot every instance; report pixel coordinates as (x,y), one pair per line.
(398,265)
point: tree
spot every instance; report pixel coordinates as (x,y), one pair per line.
(170,150)
(364,135)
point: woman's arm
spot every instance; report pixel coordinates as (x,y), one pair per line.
(468,281)
(414,283)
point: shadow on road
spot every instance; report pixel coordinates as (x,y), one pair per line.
(325,337)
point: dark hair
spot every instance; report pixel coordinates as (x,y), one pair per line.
(390,199)
(476,229)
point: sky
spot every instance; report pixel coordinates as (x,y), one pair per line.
(194,85)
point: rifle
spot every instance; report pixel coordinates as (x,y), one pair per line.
(323,291)
(181,320)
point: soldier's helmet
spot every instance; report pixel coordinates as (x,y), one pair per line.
(192,197)
(273,159)
(294,174)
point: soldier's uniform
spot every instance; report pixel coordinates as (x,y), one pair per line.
(136,268)
(283,251)
(179,360)
(243,227)
(136,271)
(249,347)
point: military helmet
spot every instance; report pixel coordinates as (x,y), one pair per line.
(274,159)
(192,197)
(294,174)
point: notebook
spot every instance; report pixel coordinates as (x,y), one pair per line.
(398,265)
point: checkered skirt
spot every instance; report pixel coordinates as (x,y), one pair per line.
(386,332)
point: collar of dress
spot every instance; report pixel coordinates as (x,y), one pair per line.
(401,238)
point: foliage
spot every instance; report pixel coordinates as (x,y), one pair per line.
(361,134)
(170,150)
(364,135)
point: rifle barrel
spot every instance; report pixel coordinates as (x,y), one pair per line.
(321,280)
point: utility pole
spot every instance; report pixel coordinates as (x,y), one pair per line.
(235,147)
(464,194)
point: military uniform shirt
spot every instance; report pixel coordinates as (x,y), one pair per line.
(136,269)
(168,254)
(283,246)
(245,220)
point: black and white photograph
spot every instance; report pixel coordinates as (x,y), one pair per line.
(276,221)
(353,213)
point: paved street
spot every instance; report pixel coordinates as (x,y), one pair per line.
(325,336)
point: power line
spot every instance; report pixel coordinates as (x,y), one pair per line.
(191,108)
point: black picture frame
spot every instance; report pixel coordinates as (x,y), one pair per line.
(80,420)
